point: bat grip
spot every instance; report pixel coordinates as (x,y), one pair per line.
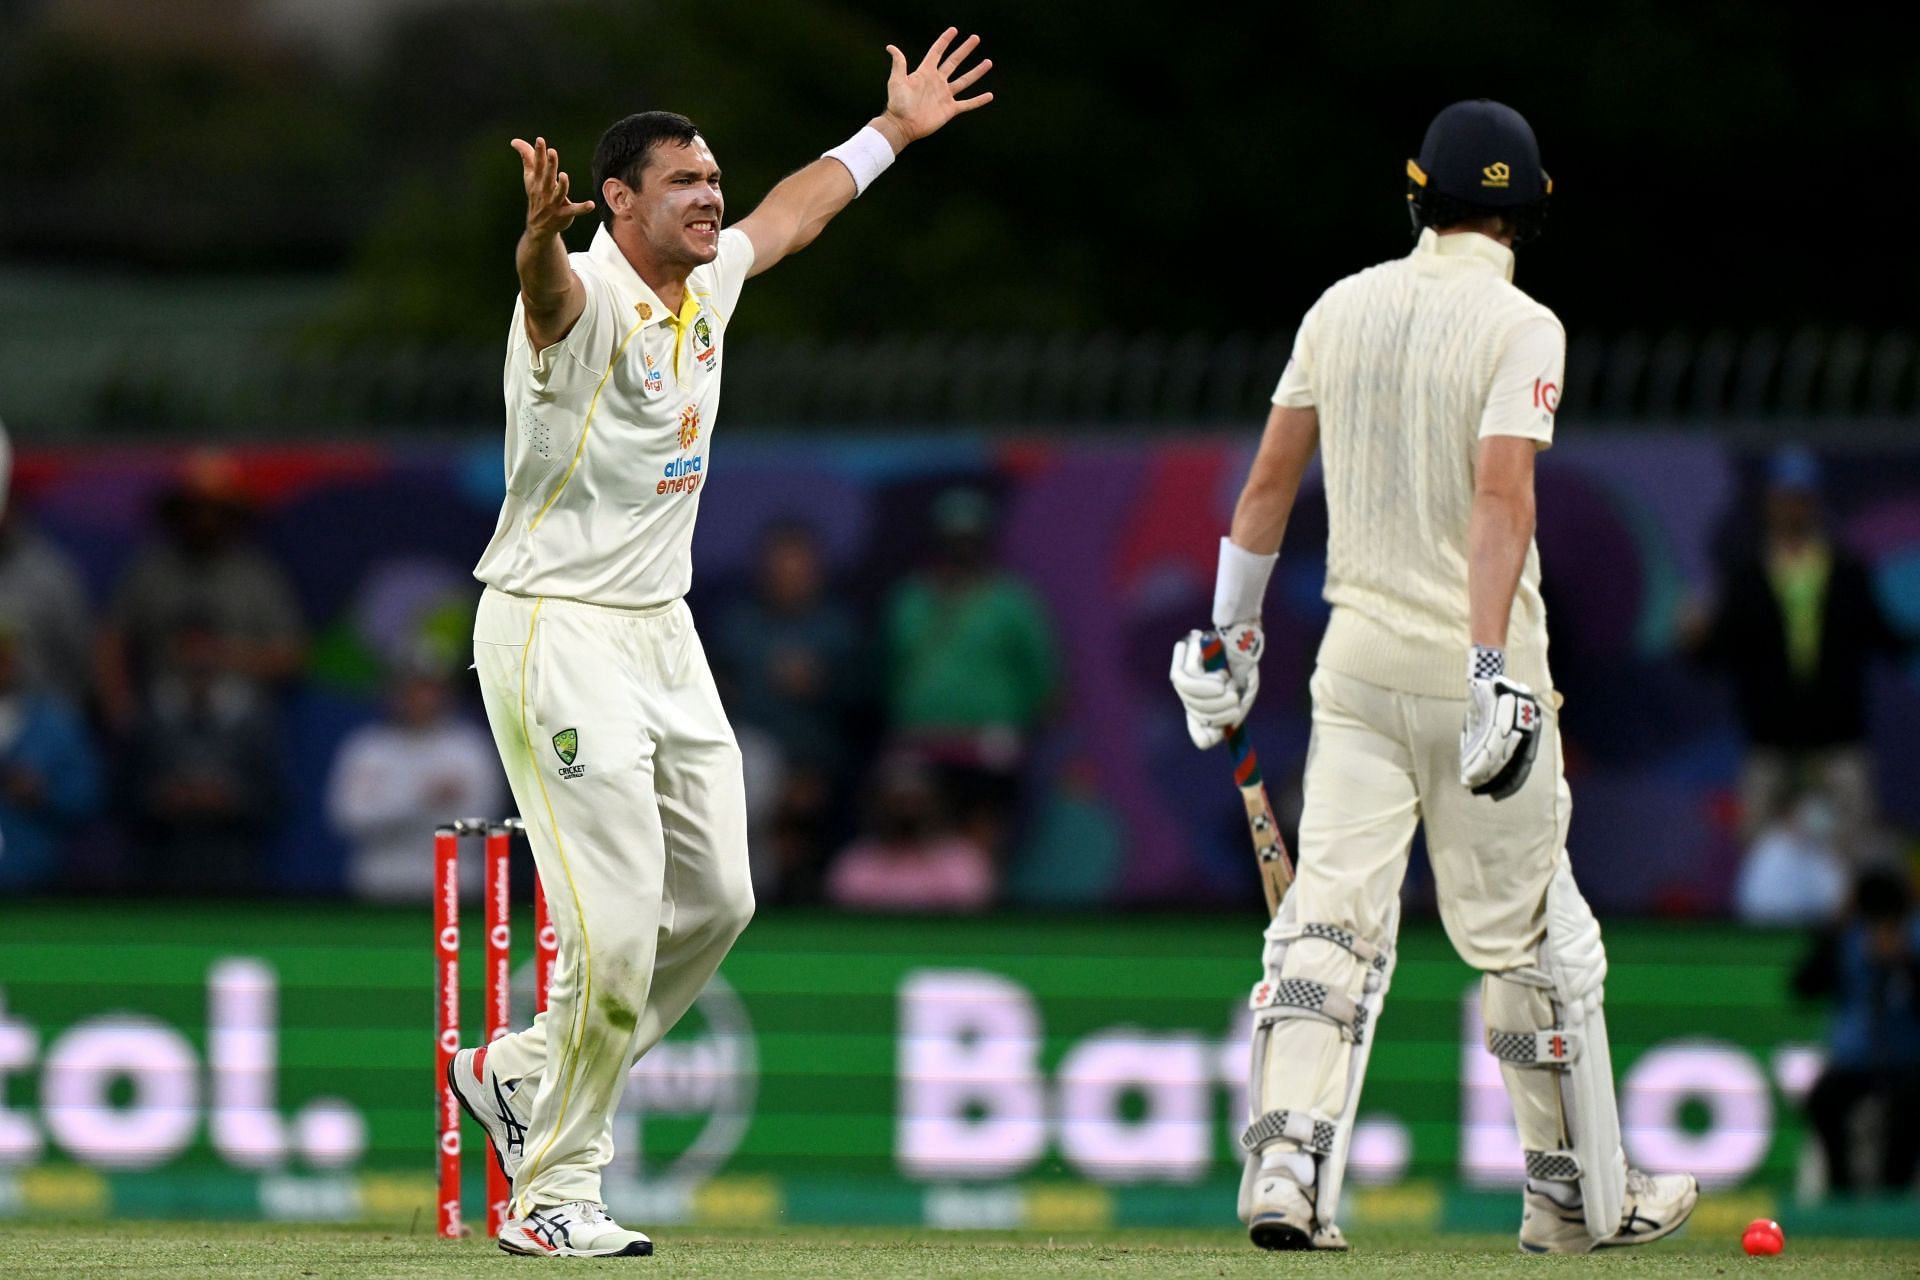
(1246,765)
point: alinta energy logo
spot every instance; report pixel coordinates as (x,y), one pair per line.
(682,475)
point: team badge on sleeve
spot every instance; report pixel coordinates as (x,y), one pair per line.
(703,348)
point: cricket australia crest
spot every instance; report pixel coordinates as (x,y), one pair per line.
(566,744)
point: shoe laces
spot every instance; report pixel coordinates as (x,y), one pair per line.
(587,1210)
(1639,1182)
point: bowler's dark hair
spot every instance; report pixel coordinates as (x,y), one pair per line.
(625,148)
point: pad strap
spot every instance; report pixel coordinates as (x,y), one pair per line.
(1553,1166)
(1373,957)
(1303,997)
(1550,1048)
(1313,1133)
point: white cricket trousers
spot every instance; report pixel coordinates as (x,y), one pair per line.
(1378,763)
(628,778)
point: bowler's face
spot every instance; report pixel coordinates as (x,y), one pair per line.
(679,204)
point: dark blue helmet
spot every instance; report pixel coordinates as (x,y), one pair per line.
(1479,158)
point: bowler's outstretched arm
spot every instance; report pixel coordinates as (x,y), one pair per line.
(919,102)
(553,294)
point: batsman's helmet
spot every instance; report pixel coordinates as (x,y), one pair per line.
(1479,159)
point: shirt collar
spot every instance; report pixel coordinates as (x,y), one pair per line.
(606,254)
(1468,246)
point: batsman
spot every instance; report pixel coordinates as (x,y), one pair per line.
(1428,384)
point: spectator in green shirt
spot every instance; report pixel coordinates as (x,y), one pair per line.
(972,667)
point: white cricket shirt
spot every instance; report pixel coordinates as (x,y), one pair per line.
(609,435)
(1409,365)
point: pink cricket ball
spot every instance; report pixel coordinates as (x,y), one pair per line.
(1763,1238)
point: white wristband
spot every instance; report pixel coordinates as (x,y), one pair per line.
(866,155)
(1241,584)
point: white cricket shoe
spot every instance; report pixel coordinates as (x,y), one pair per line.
(576,1229)
(1327,1238)
(1657,1205)
(1280,1216)
(489,1100)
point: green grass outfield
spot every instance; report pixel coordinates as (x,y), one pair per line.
(237,1251)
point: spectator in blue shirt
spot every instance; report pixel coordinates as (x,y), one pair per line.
(1870,966)
(49,775)
(790,657)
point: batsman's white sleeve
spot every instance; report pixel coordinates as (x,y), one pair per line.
(1296,381)
(1525,392)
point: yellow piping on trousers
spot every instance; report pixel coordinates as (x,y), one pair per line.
(570,1052)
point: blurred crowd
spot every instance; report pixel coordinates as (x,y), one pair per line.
(1797,632)
(890,729)
(884,754)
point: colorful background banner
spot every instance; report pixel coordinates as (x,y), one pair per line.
(276,1061)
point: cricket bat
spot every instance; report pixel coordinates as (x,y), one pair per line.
(1269,850)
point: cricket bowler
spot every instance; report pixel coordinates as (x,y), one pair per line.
(1428,383)
(606,716)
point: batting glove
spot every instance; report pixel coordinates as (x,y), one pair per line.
(1502,732)
(1216,701)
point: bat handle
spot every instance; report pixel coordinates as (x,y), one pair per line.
(1246,765)
(1276,868)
